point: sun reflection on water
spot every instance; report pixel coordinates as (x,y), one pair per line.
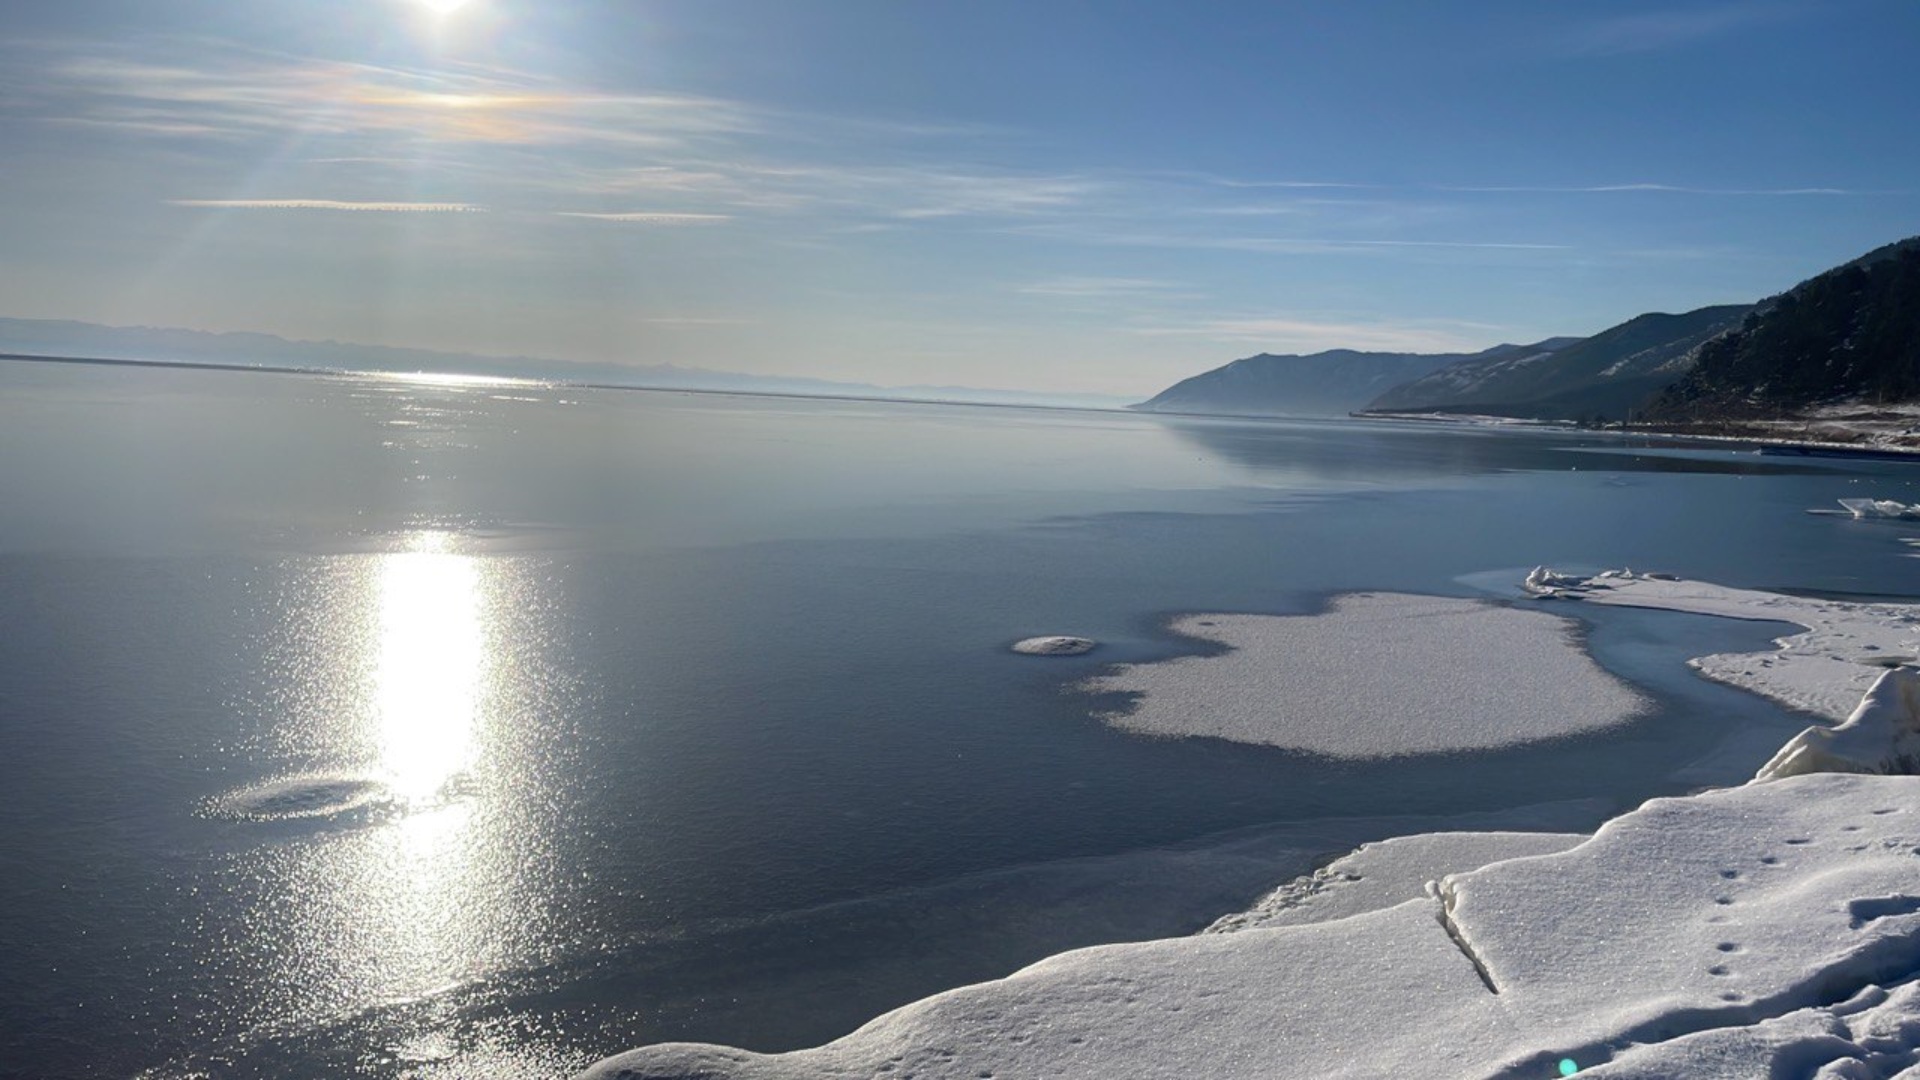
(384,918)
(432,660)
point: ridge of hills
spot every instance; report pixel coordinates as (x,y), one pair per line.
(1601,377)
(1845,339)
(1336,381)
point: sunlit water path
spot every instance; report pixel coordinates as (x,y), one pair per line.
(365,727)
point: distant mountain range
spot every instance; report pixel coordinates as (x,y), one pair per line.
(1849,335)
(1326,383)
(83,340)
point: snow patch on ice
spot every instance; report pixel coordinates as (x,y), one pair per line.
(1376,675)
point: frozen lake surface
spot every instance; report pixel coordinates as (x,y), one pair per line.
(358,727)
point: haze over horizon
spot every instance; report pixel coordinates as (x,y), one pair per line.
(1045,195)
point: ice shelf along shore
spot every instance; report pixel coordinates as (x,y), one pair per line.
(1823,670)
(1292,681)
(1770,929)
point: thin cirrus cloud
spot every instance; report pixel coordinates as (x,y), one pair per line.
(1286,185)
(1671,189)
(1098,288)
(1100,234)
(1311,335)
(219,92)
(901,194)
(648,217)
(329,204)
(508,128)
(539,144)
(1653,31)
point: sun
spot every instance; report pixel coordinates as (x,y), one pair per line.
(442,8)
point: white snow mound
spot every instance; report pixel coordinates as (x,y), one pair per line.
(1882,735)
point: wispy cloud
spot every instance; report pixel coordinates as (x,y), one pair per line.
(1306,335)
(1255,210)
(650,217)
(1106,233)
(686,154)
(1100,287)
(1289,185)
(921,193)
(1676,27)
(552,150)
(329,204)
(751,183)
(1484,245)
(192,88)
(1675,189)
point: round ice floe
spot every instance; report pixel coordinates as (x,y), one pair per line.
(1377,675)
(1054,645)
(309,796)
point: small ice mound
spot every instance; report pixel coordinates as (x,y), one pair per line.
(296,797)
(1054,645)
(1882,735)
(1880,508)
(1377,675)
(1549,583)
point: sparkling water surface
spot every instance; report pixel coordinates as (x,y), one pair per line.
(360,726)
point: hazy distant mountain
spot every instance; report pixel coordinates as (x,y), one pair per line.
(1851,334)
(51,337)
(1601,377)
(1328,383)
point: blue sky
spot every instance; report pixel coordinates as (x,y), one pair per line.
(1046,194)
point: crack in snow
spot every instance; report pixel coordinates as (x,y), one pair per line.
(1460,938)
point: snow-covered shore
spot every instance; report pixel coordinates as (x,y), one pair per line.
(1767,929)
(1823,670)
(1839,426)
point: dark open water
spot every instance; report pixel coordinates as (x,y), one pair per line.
(360,727)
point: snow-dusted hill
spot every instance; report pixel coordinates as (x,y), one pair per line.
(1605,375)
(1850,334)
(1332,383)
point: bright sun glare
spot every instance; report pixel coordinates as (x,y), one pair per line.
(442,8)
